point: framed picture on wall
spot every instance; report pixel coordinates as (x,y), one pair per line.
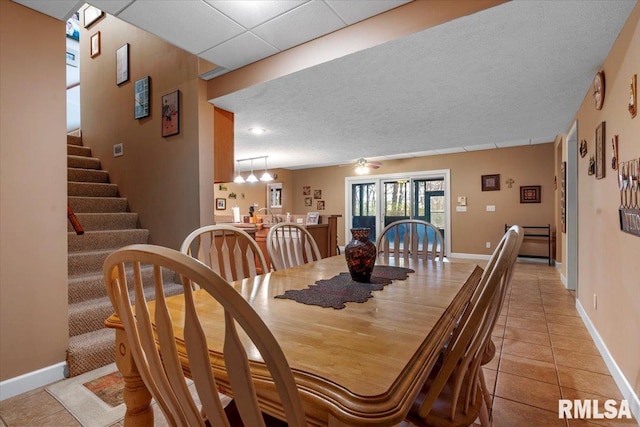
(530,194)
(491,182)
(171,113)
(312,218)
(95,44)
(141,98)
(91,14)
(221,204)
(122,64)
(600,151)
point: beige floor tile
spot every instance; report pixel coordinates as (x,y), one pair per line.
(531,325)
(569,331)
(33,409)
(507,413)
(529,368)
(537,315)
(534,337)
(578,345)
(588,362)
(591,382)
(526,390)
(528,350)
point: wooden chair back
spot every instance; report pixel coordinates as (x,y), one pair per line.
(154,347)
(227,250)
(290,244)
(411,238)
(459,367)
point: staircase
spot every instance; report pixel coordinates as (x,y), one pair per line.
(108,226)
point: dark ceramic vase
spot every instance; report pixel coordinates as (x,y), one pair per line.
(360,253)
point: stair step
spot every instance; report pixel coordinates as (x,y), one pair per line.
(91,351)
(81,264)
(89,315)
(83,162)
(102,240)
(74,140)
(87,175)
(81,204)
(78,150)
(106,221)
(92,189)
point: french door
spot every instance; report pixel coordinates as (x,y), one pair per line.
(377,201)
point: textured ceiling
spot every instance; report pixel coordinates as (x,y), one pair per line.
(510,75)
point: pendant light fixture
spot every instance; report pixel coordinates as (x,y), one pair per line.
(238,179)
(266,176)
(252,177)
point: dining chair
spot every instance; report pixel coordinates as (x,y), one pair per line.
(411,238)
(227,250)
(290,244)
(150,334)
(453,394)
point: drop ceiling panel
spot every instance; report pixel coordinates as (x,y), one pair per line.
(59,9)
(252,13)
(307,22)
(355,11)
(112,7)
(194,26)
(239,51)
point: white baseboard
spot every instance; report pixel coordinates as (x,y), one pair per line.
(614,369)
(468,256)
(563,279)
(31,380)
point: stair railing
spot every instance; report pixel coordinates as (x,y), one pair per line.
(75,223)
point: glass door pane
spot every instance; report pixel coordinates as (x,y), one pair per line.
(363,208)
(430,202)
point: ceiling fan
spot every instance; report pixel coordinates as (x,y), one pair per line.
(362,166)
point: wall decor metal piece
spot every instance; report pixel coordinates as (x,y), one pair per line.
(633,96)
(600,151)
(583,148)
(563,196)
(614,156)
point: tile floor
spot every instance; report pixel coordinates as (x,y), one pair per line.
(544,353)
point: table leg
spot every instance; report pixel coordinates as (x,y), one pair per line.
(136,396)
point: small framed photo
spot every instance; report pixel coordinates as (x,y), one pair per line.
(313,218)
(171,113)
(600,151)
(221,204)
(530,194)
(91,14)
(320,205)
(122,64)
(95,44)
(317,194)
(141,97)
(306,190)
(491,182)
(308,201)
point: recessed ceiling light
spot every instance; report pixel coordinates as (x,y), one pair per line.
(257,131)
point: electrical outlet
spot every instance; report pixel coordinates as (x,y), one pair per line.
(595,301)
(488,244)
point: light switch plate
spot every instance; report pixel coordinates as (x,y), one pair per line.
(491,208)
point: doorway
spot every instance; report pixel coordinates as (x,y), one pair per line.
(375,202)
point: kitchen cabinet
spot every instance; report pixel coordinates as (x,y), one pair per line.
(223,137)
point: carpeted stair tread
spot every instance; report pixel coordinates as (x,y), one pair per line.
(85,263)
(100,240)
(87,175)
(82,204)
(91,351)
(89,315)
(92,189)
(106,221)
(78,150)
(90,286)
(83,162)
(74,140)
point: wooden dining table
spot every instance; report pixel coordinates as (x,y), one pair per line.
(360,365)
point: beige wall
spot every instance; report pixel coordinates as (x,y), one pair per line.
(527,165)
(608,258)
(168,181)
(34,329)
